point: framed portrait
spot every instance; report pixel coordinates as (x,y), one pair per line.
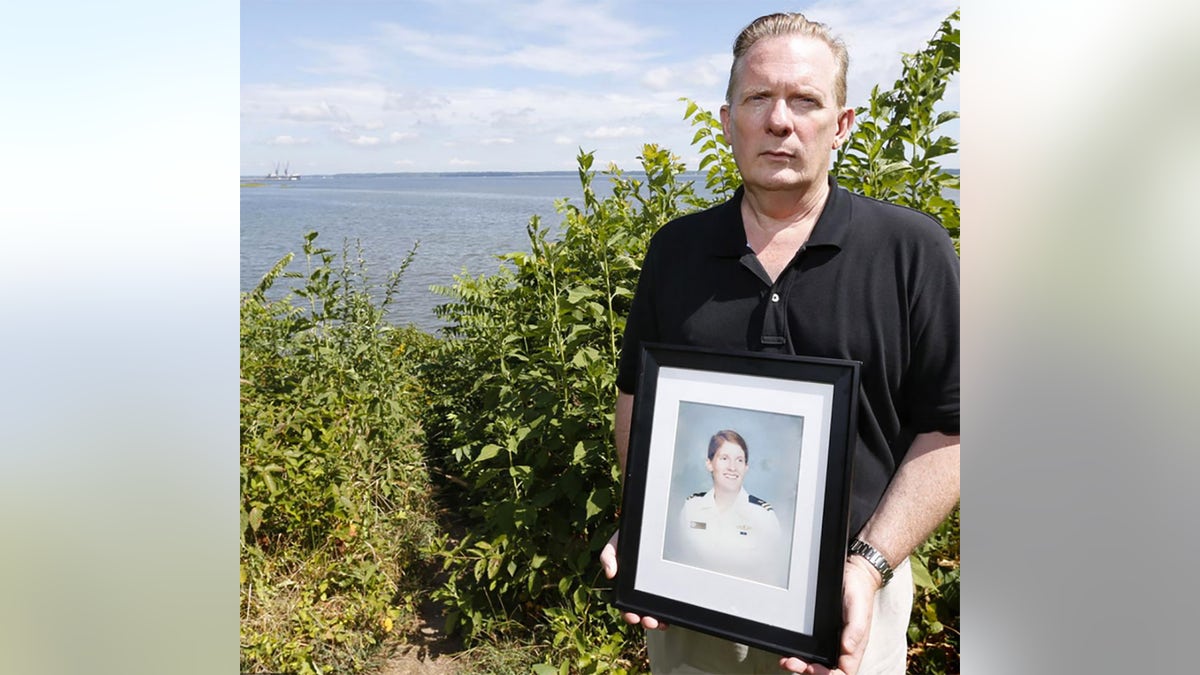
(736,496)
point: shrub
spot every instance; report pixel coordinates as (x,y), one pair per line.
(892,153)
(933,631)
(523,419)
(334,505)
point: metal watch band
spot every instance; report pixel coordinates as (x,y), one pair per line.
(868,552)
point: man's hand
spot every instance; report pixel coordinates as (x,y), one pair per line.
(608,560)
(860,583)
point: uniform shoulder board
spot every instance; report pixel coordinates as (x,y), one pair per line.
(698,494)
(758,502)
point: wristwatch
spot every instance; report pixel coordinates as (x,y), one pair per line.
(867,551)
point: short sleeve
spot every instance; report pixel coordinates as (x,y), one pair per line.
(933,391)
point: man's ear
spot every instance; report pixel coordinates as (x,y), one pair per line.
(725,124)
(845,123)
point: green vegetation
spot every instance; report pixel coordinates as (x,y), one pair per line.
(335,508)
(353,429)
(892,153)
(522,420)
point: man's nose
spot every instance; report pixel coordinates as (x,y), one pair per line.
(779,118)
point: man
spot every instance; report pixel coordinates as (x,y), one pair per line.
(727,529)
(795,264)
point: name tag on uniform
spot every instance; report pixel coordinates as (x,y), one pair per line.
(697,525)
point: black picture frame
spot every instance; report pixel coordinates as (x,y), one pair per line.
(688,566)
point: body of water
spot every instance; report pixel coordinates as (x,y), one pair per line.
(462,222)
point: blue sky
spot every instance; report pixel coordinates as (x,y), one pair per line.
(484,85)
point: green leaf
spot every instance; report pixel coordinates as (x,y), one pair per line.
(578,293)
(489,451)
(920,574)
(271,487)
(944,117)
(597,502)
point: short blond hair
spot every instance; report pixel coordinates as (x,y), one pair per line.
(782,25)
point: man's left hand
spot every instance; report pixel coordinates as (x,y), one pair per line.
(860,582)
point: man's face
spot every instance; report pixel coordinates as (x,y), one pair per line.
(783,119)
(728,467)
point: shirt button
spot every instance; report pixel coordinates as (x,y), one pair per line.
(774,297)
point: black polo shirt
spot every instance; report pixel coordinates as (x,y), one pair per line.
(876,282)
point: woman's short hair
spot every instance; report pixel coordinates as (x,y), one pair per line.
(727,436)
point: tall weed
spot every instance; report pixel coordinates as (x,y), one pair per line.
(522,421)
(334,507)
(893,151)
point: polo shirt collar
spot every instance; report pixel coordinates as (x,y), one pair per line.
(830,229)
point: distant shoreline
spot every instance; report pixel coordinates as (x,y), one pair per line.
(437,174)
(463,174)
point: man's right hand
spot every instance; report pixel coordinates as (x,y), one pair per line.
(608,560)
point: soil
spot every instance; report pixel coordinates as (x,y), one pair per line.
(425,649)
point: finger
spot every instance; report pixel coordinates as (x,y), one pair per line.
(608,560)
(647,622)
(608,556)
(653,623)
(794,665)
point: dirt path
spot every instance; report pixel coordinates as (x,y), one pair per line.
(423,650)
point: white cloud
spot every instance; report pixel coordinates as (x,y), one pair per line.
(287,140)
(698,75)
(338,59)
(414,101)
(875,32)
(564,59)
(615,132)
(319,112)
(455,50)
(269,104)
(463,162)
(482,89)
(544,35)
(404,162)
(658,78)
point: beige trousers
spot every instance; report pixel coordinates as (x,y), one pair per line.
(678,651)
